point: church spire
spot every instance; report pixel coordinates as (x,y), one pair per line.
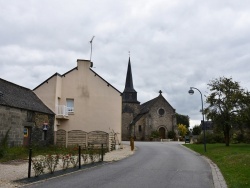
(129,93)
(129,79)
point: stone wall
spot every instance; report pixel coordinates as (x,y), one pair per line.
(12,118)
(129,111)
(153,121)
(16,119)
(37,136)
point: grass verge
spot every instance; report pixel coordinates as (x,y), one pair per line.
(22,153)
(233,161)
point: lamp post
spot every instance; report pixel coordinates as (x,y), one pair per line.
(191,92)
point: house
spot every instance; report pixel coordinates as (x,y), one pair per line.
(26,117)
(208,125)
(139,121)
(87,107)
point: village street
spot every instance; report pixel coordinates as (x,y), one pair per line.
(154,164)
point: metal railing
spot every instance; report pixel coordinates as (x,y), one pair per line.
(62,110)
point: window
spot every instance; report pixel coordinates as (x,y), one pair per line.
(70,105)
(139,128)
(161,111)
(30,116)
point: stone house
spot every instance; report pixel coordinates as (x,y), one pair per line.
(87,107)
(26,117)
(139,121)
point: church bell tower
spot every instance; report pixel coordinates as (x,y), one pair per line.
(130,105)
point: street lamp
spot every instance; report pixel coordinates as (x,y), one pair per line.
(191,92)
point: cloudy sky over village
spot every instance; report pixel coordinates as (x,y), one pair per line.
(173,44)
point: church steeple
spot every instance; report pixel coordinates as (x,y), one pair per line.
(129,93)
(129,79)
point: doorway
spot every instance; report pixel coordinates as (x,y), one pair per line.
(26,136)
(162,132)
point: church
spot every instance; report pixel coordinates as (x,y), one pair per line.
(140,121)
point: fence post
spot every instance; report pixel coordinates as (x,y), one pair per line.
(102,152)
(79,152)
(29,168)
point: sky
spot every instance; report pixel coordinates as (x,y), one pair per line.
(173,44)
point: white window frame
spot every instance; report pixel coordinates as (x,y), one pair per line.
(70,105)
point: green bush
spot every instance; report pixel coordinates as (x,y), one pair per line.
(4,144)
(171,134)
(155,134)
(211,138)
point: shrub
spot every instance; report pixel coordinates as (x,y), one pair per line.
(38,165)
(171,134)
(51,162)
(211,138)
(155,134)
(4,144)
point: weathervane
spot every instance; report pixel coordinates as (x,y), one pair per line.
(91,47)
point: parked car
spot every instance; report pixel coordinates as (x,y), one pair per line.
(187,139)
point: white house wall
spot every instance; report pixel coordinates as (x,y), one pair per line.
(97,105)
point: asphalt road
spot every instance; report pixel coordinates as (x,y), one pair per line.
(154,164)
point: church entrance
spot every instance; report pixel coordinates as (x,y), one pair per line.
(162,132)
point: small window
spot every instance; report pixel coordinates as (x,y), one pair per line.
(139,128)
(70,105)
(161,111)
(30,116)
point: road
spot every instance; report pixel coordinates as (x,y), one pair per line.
(154,164)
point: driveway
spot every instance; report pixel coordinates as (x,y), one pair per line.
(154,164)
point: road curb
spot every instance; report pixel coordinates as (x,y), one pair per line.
(218,179)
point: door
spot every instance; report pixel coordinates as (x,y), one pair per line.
(26,136)
(162,132)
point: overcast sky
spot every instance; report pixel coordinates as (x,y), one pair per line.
(173,44)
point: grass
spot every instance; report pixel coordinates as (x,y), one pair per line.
(22,153)
(233,161)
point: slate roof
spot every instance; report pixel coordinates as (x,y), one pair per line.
(145,107)
(129,87)
(16,96)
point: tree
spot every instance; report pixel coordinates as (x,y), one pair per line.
(182,119)
(227,102)
(196,130)
(182,130)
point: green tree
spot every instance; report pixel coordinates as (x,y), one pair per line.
(182,119)
(196,130)
(227,102)
(182,129)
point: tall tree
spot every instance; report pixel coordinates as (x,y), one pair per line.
(226,102)
(182,129)
(182,119)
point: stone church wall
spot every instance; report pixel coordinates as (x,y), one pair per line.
(129,111)
(153,121)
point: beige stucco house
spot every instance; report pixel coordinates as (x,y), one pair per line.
(87,107)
